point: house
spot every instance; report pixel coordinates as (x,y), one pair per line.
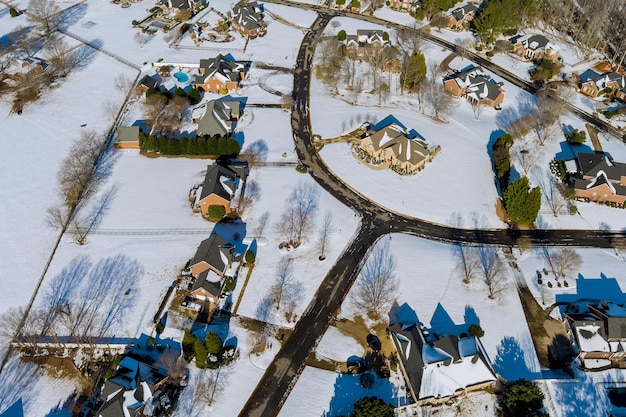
(535,47)
(599,331)
(172,6)
(613,84)
(131,389)
(30,65)
(600,179)
(148,82)
(221,73)
(247,18)
(127,137)
(389,141)
(462,16)
(366,41)
(220,186)
(476,86)
(408,5)
(217,117)
(215,260)
(441,369)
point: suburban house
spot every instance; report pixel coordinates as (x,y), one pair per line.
(221,185)
(215,260)
(172,6)
(365,41)
(247,18)
(409,5)
(600,179)
(30,65)
(595,319)
(148,82)
(613,84)
(389,141)
(131,389)
(462,16)
(216,117)
(435,371)
(127,137)
(534,47)
(221,73)
(476,86)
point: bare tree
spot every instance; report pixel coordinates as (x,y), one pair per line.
(327,229)
(525,158)
(297,219)
(492,269)
(410,40)
(261,223)
(82,226)
(153,109)
(208,388)
(466,256)
(45,15)
(545,115)
(376,285)
(437,100)
(174,364)
(122,83)
(252,192)
(478,107)
(61,57)
(281,290)
(255,153)
(551,188)
(563,261)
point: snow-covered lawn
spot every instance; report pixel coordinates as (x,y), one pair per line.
(338,346)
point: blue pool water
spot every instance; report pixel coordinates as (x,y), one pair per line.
(181,77)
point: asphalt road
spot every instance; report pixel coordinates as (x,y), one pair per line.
(283,372)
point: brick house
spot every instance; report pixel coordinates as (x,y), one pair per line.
(221,73)
(533,47)
(217,117)
(594,84)
(600,179)
(462,16)
(365,41)
(247,18)
(476,86)
(391,142)
(220,187)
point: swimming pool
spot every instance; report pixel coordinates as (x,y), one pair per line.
(181,77)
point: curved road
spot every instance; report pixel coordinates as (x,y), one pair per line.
(282,374)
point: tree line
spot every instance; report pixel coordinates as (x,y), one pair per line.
(200,145)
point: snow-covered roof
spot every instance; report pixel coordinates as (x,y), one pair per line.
(589,340)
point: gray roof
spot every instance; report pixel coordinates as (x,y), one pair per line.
(477,82)
(217,118)
(128,133)
(533,42)
(150,82)
(247,15)
(450,345)
(409,341)
(211,251)
(219,180)
(590,164)
(212,287)
(221,66)
(460,12)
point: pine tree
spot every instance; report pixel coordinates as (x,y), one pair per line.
(188,345)
(203,148)
(194,96)
(414,71)
(172,147)
(192,146)
(211,148)
(522,399)
(213,343)
(201,353)
(521,203)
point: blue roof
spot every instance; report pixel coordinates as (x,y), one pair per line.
(386,122)
(587,75)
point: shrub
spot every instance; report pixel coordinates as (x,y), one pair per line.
(385,36)
(476,331)
(194,96)
(550,284)
(521,398)
(229,285)
(13,12)
(301,169)
(565,283)
(342,35)
(250,257)
(479,48)
(372,406)
(356,4)
(576,137)
(134,23)
(489,53)
(340,2)
(216,211)
(159,328)
(540,281)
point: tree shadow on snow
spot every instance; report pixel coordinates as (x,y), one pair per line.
(348,390)
(580,398)
(510,361)
(73,15)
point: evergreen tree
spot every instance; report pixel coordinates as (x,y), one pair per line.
(414,72)
(203,148)
(232,147)
(372,407)
(194,96)
(521,203)
(213,343)
(211,147)
(188,345)
(496,17)
(522,398)
(179,92)
(192,146)
(182,145)
(172,147)
(222,146)
(201,353)
(342,35)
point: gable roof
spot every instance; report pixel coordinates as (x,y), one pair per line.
(217,118)
(215,251)
(477,82)
(222,67)
(409,341)
(406,145)
(150,81)
(247,15)
(535,42)
(219,180)
(209,281)
(590,165)
(460,12)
